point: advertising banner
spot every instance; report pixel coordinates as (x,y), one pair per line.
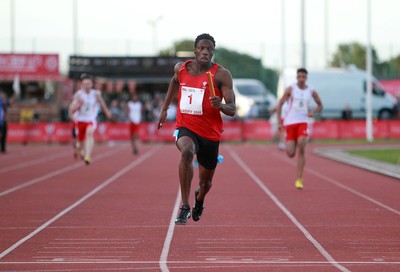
(29,66)
(232,131)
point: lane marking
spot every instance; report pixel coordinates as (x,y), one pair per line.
(307,234)
(341,185)
(351,190)
(23,152)
(105,183)
(34,162)
(56,173)
(212,262)
(163,262)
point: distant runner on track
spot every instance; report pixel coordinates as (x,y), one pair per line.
(298,96)
(87,103)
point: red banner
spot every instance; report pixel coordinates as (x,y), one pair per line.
(233,131)
(29,66)
(392,86)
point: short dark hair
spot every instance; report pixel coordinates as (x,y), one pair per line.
(86,76)
(302,70)
(204,36)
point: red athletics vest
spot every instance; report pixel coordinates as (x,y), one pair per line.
(194,107)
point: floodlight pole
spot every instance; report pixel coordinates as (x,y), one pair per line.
(75,26)
(327,34)
(283,36)
(368,100)
(303,42)
(153,23)
(12,25)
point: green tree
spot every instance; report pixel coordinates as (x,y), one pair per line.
(353,53)
(180,46)
(240,65)
(395,64)
(390,69)
(246,66)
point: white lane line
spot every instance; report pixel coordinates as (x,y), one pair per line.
(34,162)
(351,190)
(210,262)
(55,173)
(108,181)
(308,235)
(21,152)
(170,233)
(341,185)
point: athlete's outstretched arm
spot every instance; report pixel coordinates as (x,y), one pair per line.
(173,89)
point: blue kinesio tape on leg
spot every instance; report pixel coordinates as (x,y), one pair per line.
(176,133)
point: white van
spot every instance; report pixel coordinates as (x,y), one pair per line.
(253,99)
(340,88)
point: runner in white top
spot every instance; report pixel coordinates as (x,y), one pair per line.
(299,96)
(297,105)
(86,103)
(135,117)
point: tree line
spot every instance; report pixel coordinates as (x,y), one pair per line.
(246,66)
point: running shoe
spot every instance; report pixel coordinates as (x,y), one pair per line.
(87,160)
(299,184)
(81,153)
(198,206)
(183,216)
(282,146)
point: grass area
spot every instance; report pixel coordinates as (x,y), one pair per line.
(331,141)
(385,155)
(355,141)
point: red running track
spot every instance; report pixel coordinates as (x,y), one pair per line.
(117,214)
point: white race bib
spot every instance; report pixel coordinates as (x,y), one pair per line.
(192,100)
(300,105)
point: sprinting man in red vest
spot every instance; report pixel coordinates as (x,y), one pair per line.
(198,119)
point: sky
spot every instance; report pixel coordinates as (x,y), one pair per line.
(253,27)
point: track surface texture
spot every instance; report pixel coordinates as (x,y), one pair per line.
(117,214)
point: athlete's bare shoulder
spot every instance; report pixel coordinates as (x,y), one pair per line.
(222,74)
(178,66)
(222,69)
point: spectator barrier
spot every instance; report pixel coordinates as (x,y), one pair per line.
(233,131)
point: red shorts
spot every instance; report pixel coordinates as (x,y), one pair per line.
(82,126)
(295,131)
(133,128)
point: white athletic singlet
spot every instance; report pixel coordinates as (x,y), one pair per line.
(299,101)
(135,111)
(90,108)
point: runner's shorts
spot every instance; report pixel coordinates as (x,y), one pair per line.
(206,150)
(294,131)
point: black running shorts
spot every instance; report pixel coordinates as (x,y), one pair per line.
(206,150)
